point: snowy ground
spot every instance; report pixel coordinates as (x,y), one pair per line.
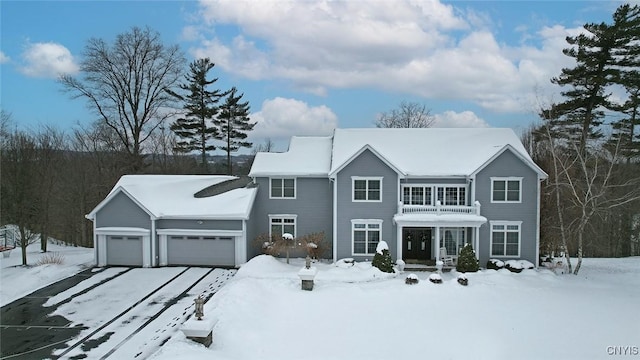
(18,281)
(353,312)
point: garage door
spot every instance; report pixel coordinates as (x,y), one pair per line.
(124,250)
(201,250)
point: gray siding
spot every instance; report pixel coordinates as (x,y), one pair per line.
(193,224)
(367,164)
(434,181)
(313,206)
(121,211)
(508,164)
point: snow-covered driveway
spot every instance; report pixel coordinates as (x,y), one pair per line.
(118,313)
(144,308)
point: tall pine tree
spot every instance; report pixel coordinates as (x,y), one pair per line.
(234,123)
(579,116)
(196,129)
(626,56)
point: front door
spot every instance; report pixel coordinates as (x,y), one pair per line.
(416,243)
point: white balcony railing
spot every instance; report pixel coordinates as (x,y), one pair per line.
(439,209)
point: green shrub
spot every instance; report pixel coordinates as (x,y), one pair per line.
(467,261)
(382,258)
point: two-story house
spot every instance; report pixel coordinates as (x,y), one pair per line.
(419,190)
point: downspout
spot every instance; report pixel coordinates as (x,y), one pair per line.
(154,256)
(335,219)
(537,224)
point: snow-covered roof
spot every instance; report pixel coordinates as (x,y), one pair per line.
(307,156)
(427,152)
(172,196)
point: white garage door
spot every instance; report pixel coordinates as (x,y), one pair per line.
(124,250)
(201,250)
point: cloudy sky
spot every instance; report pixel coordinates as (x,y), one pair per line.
(309,66)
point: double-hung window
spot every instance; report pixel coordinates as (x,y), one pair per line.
(452,195)
(366,236)
(283,188)
(506,190)
(282,224)
(505,238)
(367,188)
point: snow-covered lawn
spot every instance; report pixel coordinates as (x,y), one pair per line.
(357,312)
(17,281)
(360,313)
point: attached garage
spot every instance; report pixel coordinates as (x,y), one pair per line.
(124,250)
(201,250)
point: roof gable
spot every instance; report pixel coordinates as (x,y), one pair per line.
(527,160)
(118,190)
(358,153)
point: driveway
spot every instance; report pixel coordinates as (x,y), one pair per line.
(105,313)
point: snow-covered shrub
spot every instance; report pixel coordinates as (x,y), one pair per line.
(435,278)
(526,264)
(382,259)
(495,264)
(411,279)
(514,266)
(400,264)
(314,244)
(462,280)
(345,263)
(51,258)
(467,261)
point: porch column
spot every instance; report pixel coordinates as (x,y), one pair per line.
(399,241)
(436,243)
(476,241)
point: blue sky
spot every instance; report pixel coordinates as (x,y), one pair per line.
(309,66)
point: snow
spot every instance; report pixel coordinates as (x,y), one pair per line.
(18,281)
(435,277)
(418,152)
(453,219)
(262,313)
(178,201)
(412,276)
(307,155)
(507,315)
(498,263)
(382,245)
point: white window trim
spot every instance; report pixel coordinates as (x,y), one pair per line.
(404,186)
(366,222)
(506,179)
(367,178)
(295,188)
(285,216)
(505,223)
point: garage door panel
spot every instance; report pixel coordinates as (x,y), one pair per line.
(124,250)
(201,250)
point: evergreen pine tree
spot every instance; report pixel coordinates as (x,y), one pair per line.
(579,116)
(382,260)
(467,261)
(234,123)
(196,129)
(626,56)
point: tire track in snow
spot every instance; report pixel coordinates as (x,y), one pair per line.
(81,341)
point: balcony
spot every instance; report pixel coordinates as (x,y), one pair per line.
(439,209)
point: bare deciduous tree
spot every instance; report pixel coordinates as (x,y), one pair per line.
(126,84)
(407,115)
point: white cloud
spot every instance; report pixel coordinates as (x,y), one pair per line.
(417,47)
(4,58)
(452,119)
(47,60)
(281,118)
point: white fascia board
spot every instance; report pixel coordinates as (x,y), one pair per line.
(358,153)
(121,231)
(530,163)
(119,189)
